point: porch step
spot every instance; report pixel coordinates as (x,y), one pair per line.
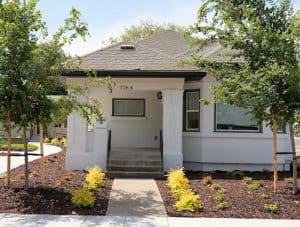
(134,162)
(135,168)
(132,174)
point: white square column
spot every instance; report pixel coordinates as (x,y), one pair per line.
(172,128)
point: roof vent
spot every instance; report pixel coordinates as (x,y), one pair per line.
(127,47)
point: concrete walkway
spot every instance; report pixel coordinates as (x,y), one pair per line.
(14,220)
(18,161)
(135,197)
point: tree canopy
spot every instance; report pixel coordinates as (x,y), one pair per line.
(265,34)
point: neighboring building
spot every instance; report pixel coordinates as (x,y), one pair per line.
(153,93)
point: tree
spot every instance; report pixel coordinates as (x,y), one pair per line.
(19,26)
(145,29)
(265,34)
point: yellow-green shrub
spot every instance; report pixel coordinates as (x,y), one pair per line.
(185,197)
(82,197)
(64,141)
(207,180)
(94,178)
(188,202)
(55,141)
(177,180)
(47,140)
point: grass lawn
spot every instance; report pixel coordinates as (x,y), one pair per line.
(18,147)
(252,197)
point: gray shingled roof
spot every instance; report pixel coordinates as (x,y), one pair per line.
(161,52)
(155,53)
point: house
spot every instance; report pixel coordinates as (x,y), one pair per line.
(154,120)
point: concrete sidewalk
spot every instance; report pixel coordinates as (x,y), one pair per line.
(14,220)
(18,161)
(135,197)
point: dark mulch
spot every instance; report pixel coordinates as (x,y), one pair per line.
(52,198)
(242,202)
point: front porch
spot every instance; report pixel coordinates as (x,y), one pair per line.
(135,148)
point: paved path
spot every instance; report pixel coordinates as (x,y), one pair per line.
(14,220)
(18,161)
(135,197)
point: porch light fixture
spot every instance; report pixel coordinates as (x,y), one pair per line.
(159,95)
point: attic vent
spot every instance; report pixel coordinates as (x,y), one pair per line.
(127,47)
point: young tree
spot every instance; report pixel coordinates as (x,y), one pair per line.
(265,34)
(19,26)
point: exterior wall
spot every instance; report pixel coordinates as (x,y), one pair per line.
(208,150)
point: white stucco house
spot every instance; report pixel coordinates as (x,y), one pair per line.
(154,120)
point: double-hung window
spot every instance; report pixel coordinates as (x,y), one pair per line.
(192,110)
(231,118)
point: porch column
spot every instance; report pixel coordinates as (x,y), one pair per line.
(172,128)
(77,140)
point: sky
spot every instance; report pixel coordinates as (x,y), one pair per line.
(106,18)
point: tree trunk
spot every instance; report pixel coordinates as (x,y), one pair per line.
(42,160)
(8,149)
(25,158)
(275,164)
(295,186)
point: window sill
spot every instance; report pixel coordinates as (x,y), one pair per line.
(126,118)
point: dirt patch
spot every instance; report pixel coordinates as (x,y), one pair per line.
(243,203)
(53,197)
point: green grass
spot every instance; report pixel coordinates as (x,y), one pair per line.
(18,146)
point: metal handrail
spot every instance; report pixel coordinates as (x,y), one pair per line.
(108,144)
(161,148)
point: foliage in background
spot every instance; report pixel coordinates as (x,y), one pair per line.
(143,30)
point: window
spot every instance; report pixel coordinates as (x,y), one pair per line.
(192,110)
(230,118)
(128,107)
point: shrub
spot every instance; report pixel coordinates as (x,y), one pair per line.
(288,180)
(247,180)
(186,199)
(94,178)
(222,205)
(55,141)
(177,180)
(272,208)
(47,140)
(2,176)
(207,180)
(264,196)
(82,197)
(216,187)
(255,185)
(219,196)
(188,202)
(64,141)
(222,190)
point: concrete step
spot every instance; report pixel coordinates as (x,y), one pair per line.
(134,168)
(134,162)
(127,174)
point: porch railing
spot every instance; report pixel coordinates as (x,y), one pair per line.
(161,148)
(108,145)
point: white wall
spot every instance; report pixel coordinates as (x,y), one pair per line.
(209,150)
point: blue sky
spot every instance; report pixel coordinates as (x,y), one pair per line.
(107,18)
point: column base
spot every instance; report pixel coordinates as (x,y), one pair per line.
(172,161)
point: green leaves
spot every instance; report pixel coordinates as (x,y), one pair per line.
(266,34)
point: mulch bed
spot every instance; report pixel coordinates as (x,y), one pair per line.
(243,203)
(53,197)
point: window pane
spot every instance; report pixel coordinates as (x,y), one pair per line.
(233,118)
(192,120)
(128,107)
(192,100)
